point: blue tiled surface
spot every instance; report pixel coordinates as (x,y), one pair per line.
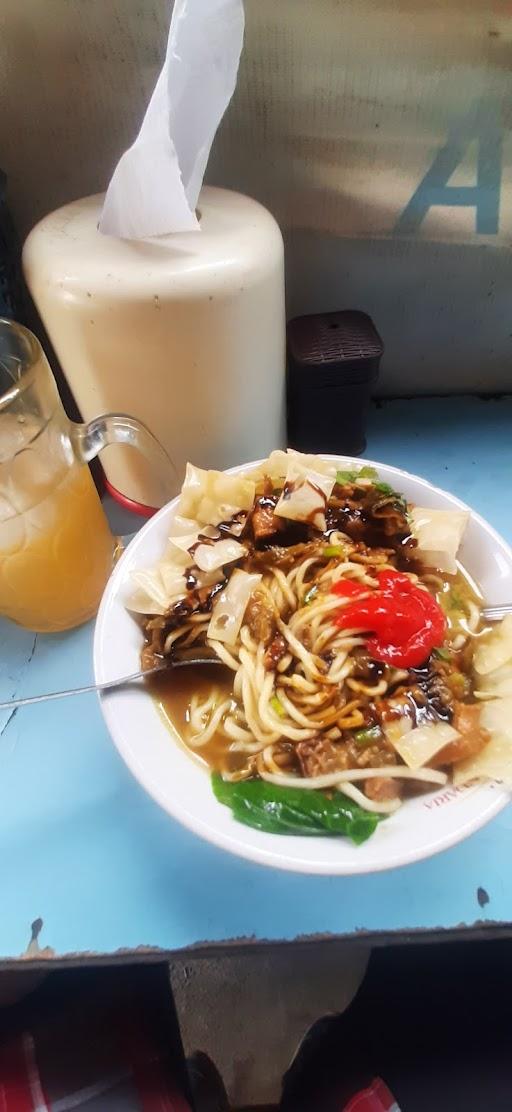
(84,849)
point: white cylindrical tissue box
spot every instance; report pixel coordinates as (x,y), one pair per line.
(184,331)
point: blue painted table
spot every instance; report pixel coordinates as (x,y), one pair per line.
(83,848)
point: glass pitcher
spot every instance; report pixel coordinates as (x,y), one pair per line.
(56,547)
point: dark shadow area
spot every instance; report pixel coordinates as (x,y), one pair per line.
(94,1039)
(434,1022)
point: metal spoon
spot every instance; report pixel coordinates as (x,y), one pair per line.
(496,613)
(185,658)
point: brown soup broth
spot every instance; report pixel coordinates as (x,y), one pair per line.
(172,693)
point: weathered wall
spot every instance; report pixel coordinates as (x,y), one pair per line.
(377,131)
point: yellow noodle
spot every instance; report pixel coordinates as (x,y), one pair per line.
(307,615)
(294,711)
(224,654)
(386,807)
(332,779)
(200,739)
(236,732)
(286,590)
(377,689)
(301,575)
(312,666)
(317,692)
(353,722)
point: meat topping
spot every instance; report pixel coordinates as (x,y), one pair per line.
(381,789)
(260,619)
(318,755)
(275,652)
(473,736)
(264,522)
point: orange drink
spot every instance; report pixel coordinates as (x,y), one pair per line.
(56,547)
(56,557)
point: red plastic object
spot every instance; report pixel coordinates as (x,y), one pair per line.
(128,503)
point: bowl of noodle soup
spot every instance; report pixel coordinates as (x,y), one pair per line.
(346,729)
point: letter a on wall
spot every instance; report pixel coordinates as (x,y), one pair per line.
(484,127)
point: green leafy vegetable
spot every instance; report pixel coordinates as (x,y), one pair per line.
(369,736)
(309,596)
(443,654)
(277,705)
(368,473)
(333,550)
(294,810)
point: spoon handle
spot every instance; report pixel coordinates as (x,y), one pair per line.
(13,704)
(186,658)
(496,613)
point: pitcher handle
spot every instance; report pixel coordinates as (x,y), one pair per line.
(89,439)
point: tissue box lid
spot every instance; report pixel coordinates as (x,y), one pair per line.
(239,243)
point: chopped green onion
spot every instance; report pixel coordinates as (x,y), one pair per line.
(386,489)
(456,601)
(459,684)
(333,550)
(368,473)
(443,654)
(452,602)
(369,736)
(277,705)
(309,596)
(343,477)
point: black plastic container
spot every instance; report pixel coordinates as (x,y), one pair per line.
(11,296)
(333,364)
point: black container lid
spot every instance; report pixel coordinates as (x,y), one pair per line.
(333,363)
(344,342)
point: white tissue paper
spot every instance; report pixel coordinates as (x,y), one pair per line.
(156,183)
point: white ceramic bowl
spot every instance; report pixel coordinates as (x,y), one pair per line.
(422,827)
